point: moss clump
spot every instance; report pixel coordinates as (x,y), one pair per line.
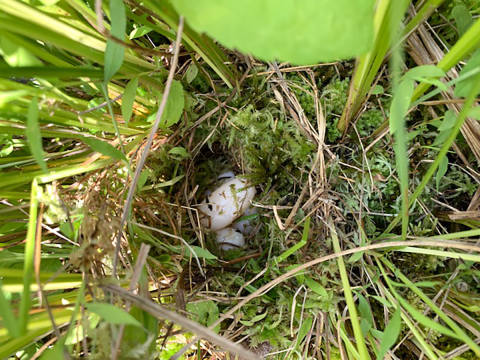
(335,96)
(369,121)
(270,147)
(304,94)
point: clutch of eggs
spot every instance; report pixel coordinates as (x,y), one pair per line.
(223,206)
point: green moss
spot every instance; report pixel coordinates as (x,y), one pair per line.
(271,148)
(369,121)
(332,133)
(334,97)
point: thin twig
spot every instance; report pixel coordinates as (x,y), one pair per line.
(138,170)
(99,13)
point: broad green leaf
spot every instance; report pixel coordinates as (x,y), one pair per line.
(428,74)
(377,90)
(191,73)
(365,313)
(390,334)
(355,257)
(206,313)
(413,134)
(139,32)
(201,253)
(430,284)
(303,32)
(179,151)
(424,71)
(400,105)
(316,287)
(104,148)
(448,121)
(442,170)
(303,331)
(12,227)
(253,320)
(475,112)
(174,107)
(34,136)
(377,333)
(147,237)
(128,99)
(382,300)
(115,53)
(113,314)
(55,353)
(463,88)
(77,334)
(462,18)
(445,126)
(439,140)
(67,230)
(143,179)
(133,337)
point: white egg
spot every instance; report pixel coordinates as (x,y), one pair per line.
(226,203)
(246,226)
(229,238)
(227,175)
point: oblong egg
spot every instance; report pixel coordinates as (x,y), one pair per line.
(226,203)
(230,238)
(246,226)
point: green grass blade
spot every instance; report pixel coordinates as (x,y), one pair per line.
(388,16)
(115,53)
(8,319)
(459,333)
(352,310)
(423,13)
(398,111)
(444,150)
(296,247)
(207,49)
(25,303)
(415,331)
(128,100)
(462,48)
(112,115)
(32,132)
(39,327)
(36,24)
(105,148)
(18,179)
(50,71)
(441,253)
(390,335)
